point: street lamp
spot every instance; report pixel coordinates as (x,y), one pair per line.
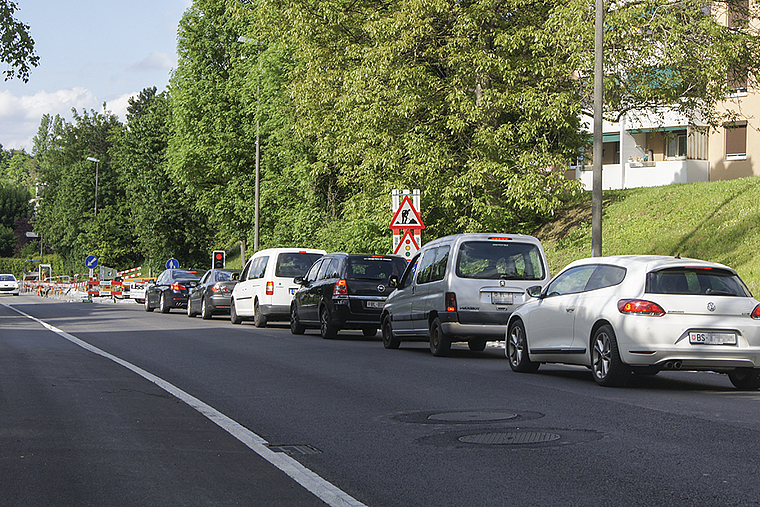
(97,169)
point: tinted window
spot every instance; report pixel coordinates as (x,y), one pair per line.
(291,265)
(426,266)
(184,275)
(439,265)
(605,276)
(223,276)
(312,274)
(7,278)
(328,269)
(406,281)
(696,280)
(572,281)
(372,267)
(499,260)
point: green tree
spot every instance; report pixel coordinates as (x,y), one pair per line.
(66,216)
(162,216)
(17,46)
(14,205)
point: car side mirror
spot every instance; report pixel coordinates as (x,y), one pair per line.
(299,280)
(535,291)
(393,281)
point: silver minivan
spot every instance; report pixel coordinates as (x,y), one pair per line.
(462,288)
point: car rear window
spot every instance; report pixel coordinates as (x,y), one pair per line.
(184,275)
(696,281)
(7,278)
(291,265)
(499,260)
(374,267)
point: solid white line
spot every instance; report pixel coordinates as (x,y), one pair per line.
(322,489)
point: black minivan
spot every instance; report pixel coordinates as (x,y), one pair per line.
(342,291)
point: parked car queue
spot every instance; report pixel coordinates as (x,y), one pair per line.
(619,316)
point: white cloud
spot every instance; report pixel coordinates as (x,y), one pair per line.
(155,61)
(118,106)
(20,116)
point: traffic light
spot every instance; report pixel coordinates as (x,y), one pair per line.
(217,259)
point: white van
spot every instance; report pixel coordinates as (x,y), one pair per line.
(462,288)
(266,285)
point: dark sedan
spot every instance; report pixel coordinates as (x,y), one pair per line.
(171,290)
(212,294)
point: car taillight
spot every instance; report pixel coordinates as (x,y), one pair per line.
(176,287)
(640,307)
(220,288)
(270,288)
(340,289)
(451,302)
(755,313)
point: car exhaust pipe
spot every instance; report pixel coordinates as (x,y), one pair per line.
(676,365)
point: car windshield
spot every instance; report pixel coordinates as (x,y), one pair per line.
(7,278)
(291,265)
(499,260)
(376,268)
(696,280)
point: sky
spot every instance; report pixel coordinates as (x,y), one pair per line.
(91,52)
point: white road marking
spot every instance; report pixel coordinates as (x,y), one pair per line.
(319,487)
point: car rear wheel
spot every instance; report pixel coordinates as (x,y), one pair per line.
(234,317)
(609,370)
(326,329)
(746,379)
(258,319)
(517,349)
(163,304)
(440,344)
(148,308)
(190,308)
(389,341)
(205,309)
(295,325)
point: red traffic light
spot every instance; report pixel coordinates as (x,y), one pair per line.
(218,259)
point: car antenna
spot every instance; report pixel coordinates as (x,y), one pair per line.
(678,255)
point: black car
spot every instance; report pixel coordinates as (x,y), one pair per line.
(212,294)
(342,291)
(170,290)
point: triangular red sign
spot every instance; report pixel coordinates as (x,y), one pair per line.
(406,217)
(408,234)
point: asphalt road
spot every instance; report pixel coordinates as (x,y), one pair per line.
(364,424)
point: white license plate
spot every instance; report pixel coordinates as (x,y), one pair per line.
(501,298)
(704,338)
(375,304)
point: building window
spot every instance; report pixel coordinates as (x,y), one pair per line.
(676,146)
(736,140)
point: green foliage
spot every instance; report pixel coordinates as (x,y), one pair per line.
(17,47)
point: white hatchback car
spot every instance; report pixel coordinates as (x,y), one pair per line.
(8,284)
(640,314)
(266,286)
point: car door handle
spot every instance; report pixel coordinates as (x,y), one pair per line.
(570,310)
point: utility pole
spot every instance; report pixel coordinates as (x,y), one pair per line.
(596,188)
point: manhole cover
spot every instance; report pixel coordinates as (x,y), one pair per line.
(515,437)
(472,416)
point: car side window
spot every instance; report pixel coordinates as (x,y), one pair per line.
(439,265)
(312,274)
(605,276)
(426,266)
(246,269)
(572,281)
(326,270)
(333,271)
(205,277)
(408,276)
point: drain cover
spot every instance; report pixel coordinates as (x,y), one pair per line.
(523,437)
(473,416)
(295,449)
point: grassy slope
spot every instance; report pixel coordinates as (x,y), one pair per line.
(716,221)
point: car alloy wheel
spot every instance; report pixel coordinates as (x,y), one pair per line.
(327,330)
(163,304)
(258,319)
(295,325)
(190,309)
(517,349)
(234,318)
(148,308)
(609,370)
(205,310)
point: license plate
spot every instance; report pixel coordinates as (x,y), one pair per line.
(501,298)
(375,304)
(703,338)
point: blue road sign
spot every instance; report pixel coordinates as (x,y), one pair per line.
(91,262)
(172,263)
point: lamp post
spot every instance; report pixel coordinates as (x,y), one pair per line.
(97,169)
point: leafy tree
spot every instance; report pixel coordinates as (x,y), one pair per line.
(21,169)
(17,46)
(14,205)
(66,216)
(162,216)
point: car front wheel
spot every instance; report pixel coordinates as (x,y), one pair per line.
(389,341)
(190,309)
(609,370)
(517,349)
(295,325)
